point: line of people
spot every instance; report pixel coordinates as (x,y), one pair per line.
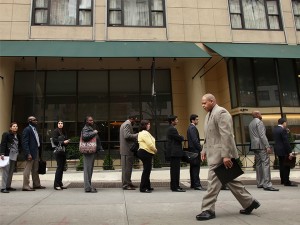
(219,147)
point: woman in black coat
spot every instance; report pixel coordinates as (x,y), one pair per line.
(59,138)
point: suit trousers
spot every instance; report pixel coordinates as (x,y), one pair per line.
(7,174)
(214,186)
(88,167)
(146,158)
(284,171)
(61,162)
(175,172)
(263,174)
(127,165)
(31,166)
(194,172)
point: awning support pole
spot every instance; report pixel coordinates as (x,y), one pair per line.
(201,68)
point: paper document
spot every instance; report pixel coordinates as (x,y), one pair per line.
(4,162)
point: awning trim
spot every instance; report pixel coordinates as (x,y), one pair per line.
(101,49)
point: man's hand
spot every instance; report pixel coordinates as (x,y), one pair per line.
(29,157)
(203,156)
(2,157)
(227,162)
(269,150)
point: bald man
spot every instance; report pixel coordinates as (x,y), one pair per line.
(261,148)
(219,147)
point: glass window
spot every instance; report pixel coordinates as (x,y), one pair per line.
(288,82)
(266,82)
(62,12)
(142,13)
(255,14)
(296,9)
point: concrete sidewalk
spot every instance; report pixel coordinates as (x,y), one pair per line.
(114,206)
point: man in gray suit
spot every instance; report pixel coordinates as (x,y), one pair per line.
(261,148)
(219,147)
(127,138)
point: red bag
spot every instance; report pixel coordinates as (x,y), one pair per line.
(88,147)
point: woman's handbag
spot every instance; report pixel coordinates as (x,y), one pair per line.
(88,147)
(188,157)
(42,167)
(57,148)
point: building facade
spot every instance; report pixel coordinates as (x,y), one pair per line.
(65,59)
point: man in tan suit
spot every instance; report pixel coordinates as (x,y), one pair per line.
(219,147)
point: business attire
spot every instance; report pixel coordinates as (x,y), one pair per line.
(10,146)
(145,153)
(282,149)
(175,153)
(259,145)
(87,134)
(194,146)
(31,145)
(219,143)
(58,138)
(127,138)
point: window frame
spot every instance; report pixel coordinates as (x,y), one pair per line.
(78,10)
(109,10)
(296,15)
(267,14)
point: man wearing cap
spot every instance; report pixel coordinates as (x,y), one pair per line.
(283,149)
(262,149)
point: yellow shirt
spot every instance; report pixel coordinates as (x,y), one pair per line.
(147,142)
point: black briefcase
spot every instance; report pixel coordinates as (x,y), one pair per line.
(227,175)
(42,167)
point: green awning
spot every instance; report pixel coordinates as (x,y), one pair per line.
(101,49)
(256,50)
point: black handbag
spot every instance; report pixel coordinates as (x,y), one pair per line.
(42,167)
(135,147)
(188,157)
(290,162)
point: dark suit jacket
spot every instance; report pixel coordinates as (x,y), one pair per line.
(174,142)
(193,139)
(7,141)
(29,143)
(282,146)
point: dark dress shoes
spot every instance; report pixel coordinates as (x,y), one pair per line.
(150,188)
(128,188)
(63,187)
(58,188)
(200,188)
(206,215)
(39,187)
(11,189)
(178,190)
(271,189)
(254,205)
(291,184)
(145,191)
(4,191)
(94,190)
(133,186)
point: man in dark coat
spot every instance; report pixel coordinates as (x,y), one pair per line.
(283,149)
(194,146)
(175,152)
(31,146)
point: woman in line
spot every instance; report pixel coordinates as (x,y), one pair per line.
(10,146)
(146,151)
(88,132)
(59,138)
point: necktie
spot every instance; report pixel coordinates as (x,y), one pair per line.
(36,136)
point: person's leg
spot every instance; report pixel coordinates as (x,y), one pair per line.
(59,170)
(258,169)
(35,173)
(5,172)
(12,165)
(194,173)
(147,170)
(26,174)
(266,168)
(128,169)
(282,170)
(240,193)
(87,164)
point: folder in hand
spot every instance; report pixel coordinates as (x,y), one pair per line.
(226,175)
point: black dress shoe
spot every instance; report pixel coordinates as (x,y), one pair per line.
(291,185)
(4,191)
(28,189)
(11,189)
(224,188)
(145,191)
(271,189)
(91,191)
(260,186)
(200,188)
(150,188)
(39,187)
(132,185)
(254,205)
(63,187)
(128,188)
(206,215)
(178,190)
(58,188)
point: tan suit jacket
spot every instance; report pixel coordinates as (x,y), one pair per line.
(219,139)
